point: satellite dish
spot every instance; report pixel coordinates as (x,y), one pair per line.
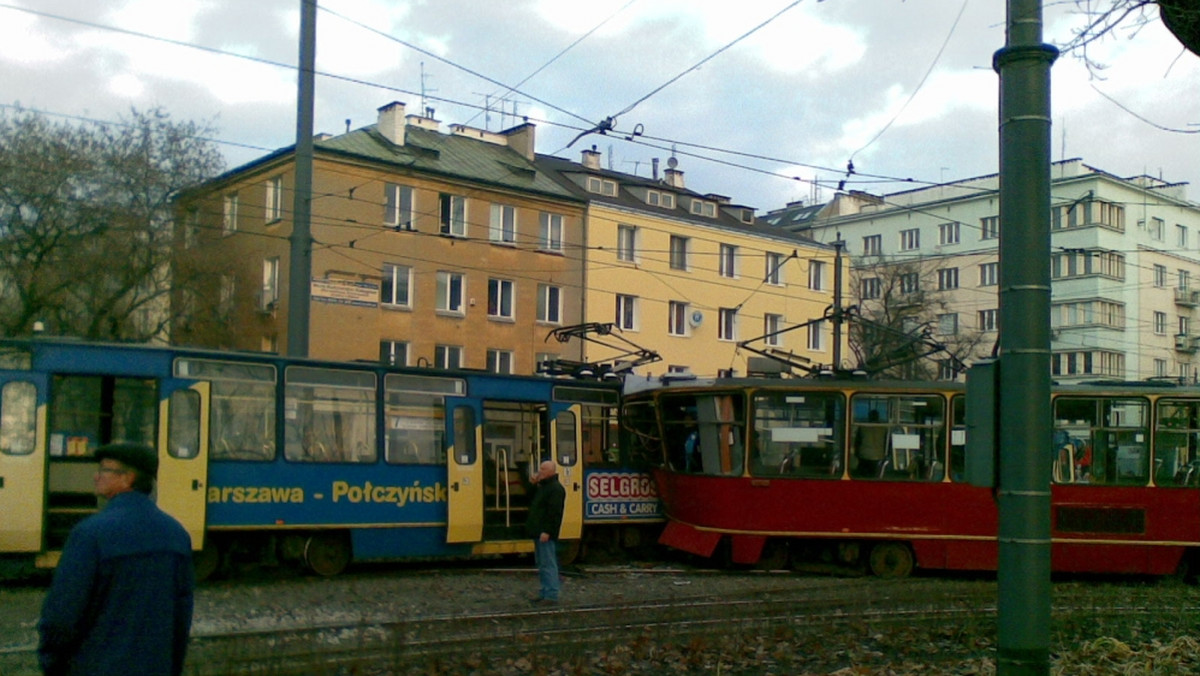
(696,319)
(672,163)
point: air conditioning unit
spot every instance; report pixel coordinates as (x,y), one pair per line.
(1184,342)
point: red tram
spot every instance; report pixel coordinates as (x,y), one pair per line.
(870,474)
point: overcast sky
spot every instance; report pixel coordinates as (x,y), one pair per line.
(815,87)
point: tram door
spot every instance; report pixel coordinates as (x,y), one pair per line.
(22,460)
(183,454)
(567,432)
(464,472)
(515,442)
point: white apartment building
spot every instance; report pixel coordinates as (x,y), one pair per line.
(1125,264)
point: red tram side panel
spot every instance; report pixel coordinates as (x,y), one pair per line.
(775,473)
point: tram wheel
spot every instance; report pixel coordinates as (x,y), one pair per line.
(891,560)
(327,554)
(774,556)
(207,560)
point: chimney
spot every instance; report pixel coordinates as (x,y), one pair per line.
(673,177)
(520,139)
(591,158)
(654,168)
(391,122)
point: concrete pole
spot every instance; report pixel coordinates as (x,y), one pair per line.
(300,267)
(1023,495)
(838,245)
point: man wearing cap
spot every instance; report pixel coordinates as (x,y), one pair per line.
(121,600)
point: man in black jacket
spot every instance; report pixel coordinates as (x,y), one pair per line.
(545,520)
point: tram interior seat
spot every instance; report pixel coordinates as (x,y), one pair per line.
(1189,474)
(937,470)
(1064,465)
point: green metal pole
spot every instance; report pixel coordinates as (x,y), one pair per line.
(1023,495)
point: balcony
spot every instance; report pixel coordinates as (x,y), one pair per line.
(1186,342)
(1187,297)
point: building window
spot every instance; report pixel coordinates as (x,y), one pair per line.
(226,300)
(679,252)
(503,225)
(872,245)
(987,320)
(1160,323)
(1105,313)
(947,324)
(270,285)
(551,231)
(772,324)
(816,275)
(910,240)
(450,292)
(989,274)
(946,370)
(447,356)
(989,227)
(453,215)
(872,288)
(500,298)
(728,261)
(703,208)
(626,243)
(398,207)
(677,312)
(1088,362)
(910,282)
(665,200)
(499,361)
(1160,276)
(816,336)
(601,186)
(948,233)
(626,312)
(1186,375)
(1160,368)
(1185,279)
(229,219)
(727,323)
(774,266)
(1088,212)
(1181,237)
(1185,325)
(395,289)
(947,279)
(274,199)
(393,352)
(1079,263)
(549,307)
(1157,226)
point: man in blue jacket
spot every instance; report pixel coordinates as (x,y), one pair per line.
(121,600)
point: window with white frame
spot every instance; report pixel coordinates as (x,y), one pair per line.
(226,300)
(772,325)
(1160,275)
(728,261)
(1157,226)
(704,208)
(453,214)
(910,282)
(910,240)
(447,356)
(1181,236)
(872,245)
(872,288)
(816,275)
(727,323)
(774,274)
(503,225)
(946,370)
(816,336)
(551,238)
(393,352)
(989,227)
(549,307)
(499,361)
(449,292)
(987,320)
(989,274)
(398,206)
(948,233)
(1185,279)
(677,312)
(627,243)
(1160,323)
(1187,374)
(947,279)
(657,198)
(947,324)
(679,252)
(626,312)
(229,218)
(1160,368)
(500,298)
(274,198)
(601,186)
(396,286)
(269,295)
(1185,325)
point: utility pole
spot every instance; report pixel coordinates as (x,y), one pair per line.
(1023,494)
(838,245)
(300,267)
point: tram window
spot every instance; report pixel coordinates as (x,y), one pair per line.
(465,450)
(416,426)
(898,437)
(640,422)
(568,450)
(89,411)
(330,415)
(183,426)
(18,413)
(1101,440)
(600,436)
(243,407)
(798,434)
(958,437)
(718,421)
(1176,441)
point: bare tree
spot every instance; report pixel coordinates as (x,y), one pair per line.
(86,222)
(1104,18)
